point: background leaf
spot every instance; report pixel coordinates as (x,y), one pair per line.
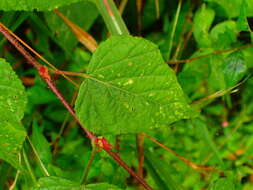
(160,172)
(222,184)
(40,144)
(223,34)
(76,13)
(201,24)
(234,68)
(205,136)
(28,5)
(12,106)
(231,8)
(57,183)
(130,89)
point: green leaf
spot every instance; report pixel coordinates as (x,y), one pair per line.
(201,24)
(102,186)
(13,98)
(222,184)
(204,134)
(160,173)
(57,183)
(111,17)
(234,68)
(76,13)
(195,73)
(12,106)
(242,24)
(41,144)
(129,89)
(232,7)
(150,13)
(223,34)
(216,79)
(29,5)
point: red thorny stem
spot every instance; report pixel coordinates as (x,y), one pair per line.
(102,143)
(43,71)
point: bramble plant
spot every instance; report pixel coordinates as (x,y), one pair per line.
(110,95)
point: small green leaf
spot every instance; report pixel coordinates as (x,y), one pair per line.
(194,73)
(234,68)
(223,34)
(12,106)
(222,184)
(29,5)
(201,24)
(57,183)
(129,89)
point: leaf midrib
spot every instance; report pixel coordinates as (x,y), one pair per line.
(107,84)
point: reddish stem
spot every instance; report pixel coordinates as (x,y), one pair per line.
(140,147)
(129,170)
(43,71)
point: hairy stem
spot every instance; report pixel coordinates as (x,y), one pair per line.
(139,10)
(140,150)
(138,178)
(44,75)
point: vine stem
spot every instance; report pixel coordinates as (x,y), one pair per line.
(186,161)
(28,166)
(42,166)
(140,150)
(43,71)
(17,175)
(15,181)
(209,54)
(87,168)
(174,29)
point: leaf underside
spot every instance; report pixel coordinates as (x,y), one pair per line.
(129,89)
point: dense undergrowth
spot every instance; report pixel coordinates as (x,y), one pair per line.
(164,85)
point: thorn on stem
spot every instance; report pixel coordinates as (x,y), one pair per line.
(102,143)
(43,71)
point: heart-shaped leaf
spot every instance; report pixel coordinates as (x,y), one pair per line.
(129,89)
